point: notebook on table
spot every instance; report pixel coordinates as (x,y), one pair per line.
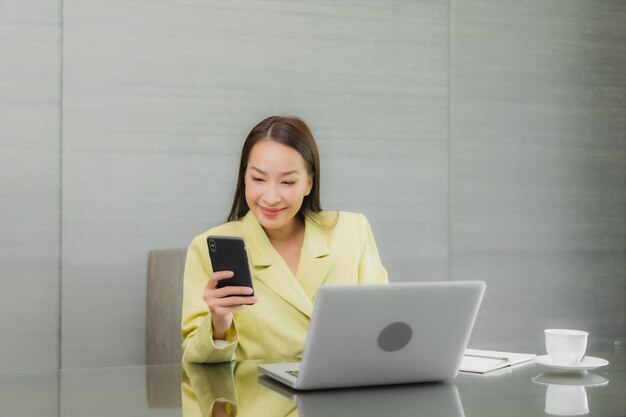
(483,361)
(363,335)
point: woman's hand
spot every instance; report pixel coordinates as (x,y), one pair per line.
(223,301)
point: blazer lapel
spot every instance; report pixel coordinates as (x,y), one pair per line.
(315,260)
(271,269)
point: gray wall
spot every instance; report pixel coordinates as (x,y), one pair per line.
(158,98)
(483,140)
(30,202)
(538,163)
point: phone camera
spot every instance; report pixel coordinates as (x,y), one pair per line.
(212,245)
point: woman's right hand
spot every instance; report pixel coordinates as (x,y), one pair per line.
(223,301)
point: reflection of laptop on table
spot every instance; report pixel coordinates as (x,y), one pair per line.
(384,334)
(424,400)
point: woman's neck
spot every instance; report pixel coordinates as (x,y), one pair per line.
(288,243)
(294,230)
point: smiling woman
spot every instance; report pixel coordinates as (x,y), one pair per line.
(298,155)
(277,182)
(275,194)
(294,247)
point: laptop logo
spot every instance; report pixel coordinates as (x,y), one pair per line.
(395,336)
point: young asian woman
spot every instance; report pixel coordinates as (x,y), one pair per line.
(294,247)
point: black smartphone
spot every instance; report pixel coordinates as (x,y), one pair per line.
(228,253)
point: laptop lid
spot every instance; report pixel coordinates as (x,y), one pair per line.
(388,334)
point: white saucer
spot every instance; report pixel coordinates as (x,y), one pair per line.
(588,362)
(587,379)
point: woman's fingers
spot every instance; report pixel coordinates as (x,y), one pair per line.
(231,291)
(218,276)
(223,301)
(231,303)
(225,292)
(232,300)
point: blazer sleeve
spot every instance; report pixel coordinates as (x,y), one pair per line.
(371,269)
(197,330)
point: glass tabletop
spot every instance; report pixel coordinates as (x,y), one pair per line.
(237,389)
(526,390)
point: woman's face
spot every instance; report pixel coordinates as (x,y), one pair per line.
(276,182)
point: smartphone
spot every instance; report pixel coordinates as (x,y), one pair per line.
(228,253)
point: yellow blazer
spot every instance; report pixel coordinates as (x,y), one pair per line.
(341,251)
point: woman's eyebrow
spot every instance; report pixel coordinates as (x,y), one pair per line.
(260,171)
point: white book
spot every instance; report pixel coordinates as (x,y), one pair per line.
(482,361)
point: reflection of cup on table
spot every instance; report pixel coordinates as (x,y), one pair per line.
(566,394)
(566,400)
(566,347)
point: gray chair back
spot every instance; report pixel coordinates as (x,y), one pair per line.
(163,338)
(164,306)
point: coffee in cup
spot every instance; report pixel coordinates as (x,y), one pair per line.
(566,347)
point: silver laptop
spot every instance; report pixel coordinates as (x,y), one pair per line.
(424,400)
(384,334)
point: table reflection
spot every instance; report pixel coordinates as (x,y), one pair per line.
(566,394)
(237,389)
(230,389)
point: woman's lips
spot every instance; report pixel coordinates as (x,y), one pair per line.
(267,212)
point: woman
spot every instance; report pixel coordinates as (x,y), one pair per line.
(294,247)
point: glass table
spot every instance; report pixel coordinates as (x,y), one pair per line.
(195,390)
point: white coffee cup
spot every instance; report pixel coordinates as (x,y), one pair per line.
(566,347)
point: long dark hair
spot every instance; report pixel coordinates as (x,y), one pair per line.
(290,131)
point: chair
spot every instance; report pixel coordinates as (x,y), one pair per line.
(163,336)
